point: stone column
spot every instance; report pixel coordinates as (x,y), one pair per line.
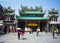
(9,18)
(17,23)
(26,29)
(26,23)
(47,26)
(38,25)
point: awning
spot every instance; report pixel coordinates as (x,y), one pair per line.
(10,24)
(1,24)
(54,22)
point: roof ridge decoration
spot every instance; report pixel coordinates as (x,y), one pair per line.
(37,8)
(53,10)
(25,9)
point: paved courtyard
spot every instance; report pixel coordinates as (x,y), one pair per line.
(30,38)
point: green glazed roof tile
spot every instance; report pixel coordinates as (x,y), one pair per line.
(32,18)
(32,12)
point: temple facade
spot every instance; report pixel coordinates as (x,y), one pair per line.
(32,19)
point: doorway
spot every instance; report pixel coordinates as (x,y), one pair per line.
(43,26)
(33,28)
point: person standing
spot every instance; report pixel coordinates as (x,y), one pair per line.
(22,34)
(46,30)
(19,33)
(37,33)
(29,30)
(53,33)
(57,31)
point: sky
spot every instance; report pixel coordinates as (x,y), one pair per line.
(46,4)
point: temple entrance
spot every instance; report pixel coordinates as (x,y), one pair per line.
(43,26)
(33,25)
(33,28)
(21,25)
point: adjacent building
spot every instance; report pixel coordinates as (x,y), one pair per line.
(7,19)
(53,21)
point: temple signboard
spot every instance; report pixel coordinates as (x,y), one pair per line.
(32,24)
